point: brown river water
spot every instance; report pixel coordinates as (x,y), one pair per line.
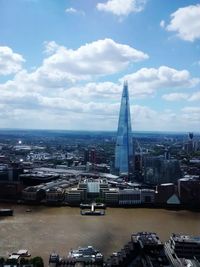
(48,229)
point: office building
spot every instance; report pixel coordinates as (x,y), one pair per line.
(158,170)
(124,162)
(189,190)
(183,250)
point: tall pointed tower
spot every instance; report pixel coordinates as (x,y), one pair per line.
(124,162)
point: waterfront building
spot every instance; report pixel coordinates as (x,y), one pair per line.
(75,196)
(52,192)
(147,196)
(183,250)
(149,249)
(129,197)
(189,190)
(124,156)
(88,189)
(167,194)
(158,170)
(93,188)
(112,196)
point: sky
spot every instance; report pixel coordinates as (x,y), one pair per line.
(63,64)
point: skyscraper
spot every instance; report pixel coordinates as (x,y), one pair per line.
(124,161)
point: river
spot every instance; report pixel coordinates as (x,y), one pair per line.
(48,229)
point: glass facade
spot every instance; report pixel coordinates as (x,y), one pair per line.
(124,145)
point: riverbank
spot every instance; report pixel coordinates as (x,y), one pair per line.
(138,206)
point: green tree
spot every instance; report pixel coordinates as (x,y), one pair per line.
(2,260)
(24,261)
(11,261)
(37,262)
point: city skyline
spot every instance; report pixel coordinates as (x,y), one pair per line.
(62,64)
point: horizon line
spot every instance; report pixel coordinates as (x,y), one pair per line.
(108,131)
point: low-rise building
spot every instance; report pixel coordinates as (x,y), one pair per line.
(112,196)
(129,197)
(49,192)
(74,196)
(147,196)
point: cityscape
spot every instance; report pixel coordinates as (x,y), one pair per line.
(120,184)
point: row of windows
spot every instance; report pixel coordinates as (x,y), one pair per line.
(129,197)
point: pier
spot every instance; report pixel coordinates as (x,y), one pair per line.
(92,209)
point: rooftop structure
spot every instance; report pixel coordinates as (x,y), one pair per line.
(146,239)
(87,254)
(182,249)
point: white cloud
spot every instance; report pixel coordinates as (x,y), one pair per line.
(85,108)
(146,81)
(98,92)
(191,110)
(195,97)
(186,22)
(72,10)
(162,24)
(63,67)
(47,92)
(122,7)
(102,57)
(143,83)
(51,47)
(10,62)
(182,96)
(34,90)
(191,115)
(142,114)
(175,96)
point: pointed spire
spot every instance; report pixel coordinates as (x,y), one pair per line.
(125,89)
(124,145)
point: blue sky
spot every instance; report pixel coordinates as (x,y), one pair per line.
(63,63)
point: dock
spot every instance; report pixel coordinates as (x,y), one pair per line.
(92,209)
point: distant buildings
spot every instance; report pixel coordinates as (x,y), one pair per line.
(124,162)
(10,186)
(52,192)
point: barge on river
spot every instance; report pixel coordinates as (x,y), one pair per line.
(6,212)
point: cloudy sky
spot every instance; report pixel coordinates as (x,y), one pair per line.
(63,63)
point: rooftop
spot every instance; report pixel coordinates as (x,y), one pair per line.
(186,238)
(147,238)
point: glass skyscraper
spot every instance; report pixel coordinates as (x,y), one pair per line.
(124,161)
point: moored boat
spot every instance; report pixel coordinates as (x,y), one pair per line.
(6,212)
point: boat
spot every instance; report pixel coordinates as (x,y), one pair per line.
(28,210)
(90,212)
(87,255)
(6,212)
(20,253)
(23,253)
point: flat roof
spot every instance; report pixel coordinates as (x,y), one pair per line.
(186,238)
